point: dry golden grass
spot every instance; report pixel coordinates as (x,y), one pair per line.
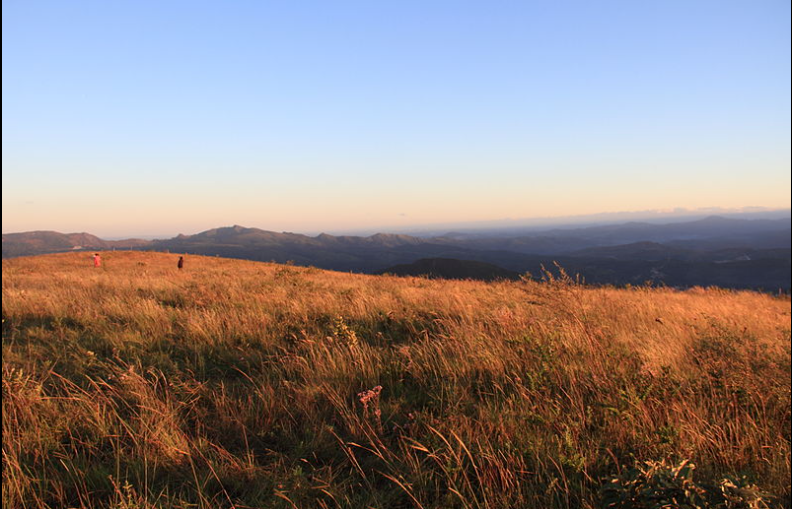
(243,384)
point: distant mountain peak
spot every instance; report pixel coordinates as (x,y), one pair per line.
(225,230)
(714,219)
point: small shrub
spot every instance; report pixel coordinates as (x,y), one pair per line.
(344,332)
(657,484)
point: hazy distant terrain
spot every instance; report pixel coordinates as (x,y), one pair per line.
(46,242)
(728,252)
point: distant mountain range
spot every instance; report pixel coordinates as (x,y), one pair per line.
(729,252)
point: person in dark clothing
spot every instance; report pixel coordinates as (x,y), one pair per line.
(181,263)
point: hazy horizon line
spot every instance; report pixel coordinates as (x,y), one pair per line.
(538,222)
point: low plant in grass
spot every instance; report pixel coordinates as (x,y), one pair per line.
(659,484)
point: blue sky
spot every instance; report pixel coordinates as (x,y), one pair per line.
(124,118)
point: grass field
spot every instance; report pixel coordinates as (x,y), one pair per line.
(243,384)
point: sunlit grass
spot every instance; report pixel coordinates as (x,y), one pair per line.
(233,383)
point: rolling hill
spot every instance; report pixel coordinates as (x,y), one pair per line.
(233,383)
(46,242)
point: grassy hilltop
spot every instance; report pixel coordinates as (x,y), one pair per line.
(244,384)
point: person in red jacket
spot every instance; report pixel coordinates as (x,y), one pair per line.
(97,260)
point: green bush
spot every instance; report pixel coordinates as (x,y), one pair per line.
(661,484)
